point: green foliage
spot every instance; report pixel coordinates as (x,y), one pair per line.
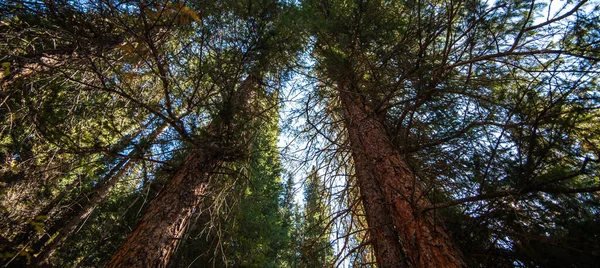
(482,99)
(257,235)
(253,231)
(493,101)
(316,248)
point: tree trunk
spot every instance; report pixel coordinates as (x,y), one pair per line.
(160,229)
(82,213)
(424,243)
(158,232)
(87,205)
(383,235)
(29,231)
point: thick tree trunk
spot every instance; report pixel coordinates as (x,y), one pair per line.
(160,229)
(158,232)
(383,235)
(424,243)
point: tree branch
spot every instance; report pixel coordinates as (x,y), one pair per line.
(514,192)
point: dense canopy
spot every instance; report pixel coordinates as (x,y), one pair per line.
(312,133)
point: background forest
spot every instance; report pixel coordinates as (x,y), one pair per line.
(312,133)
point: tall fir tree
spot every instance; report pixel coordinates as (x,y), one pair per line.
(467,132)
(423,88)
(316,249)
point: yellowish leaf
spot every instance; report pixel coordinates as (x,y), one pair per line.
(190,13)
(6,67)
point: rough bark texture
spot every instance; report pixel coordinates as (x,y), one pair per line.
(158,232)
(424,243)
(383,235)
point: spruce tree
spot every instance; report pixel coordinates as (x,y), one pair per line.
(447,133)
(316,249)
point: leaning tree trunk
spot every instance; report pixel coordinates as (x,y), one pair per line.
(29,231)
(424,243)
(383,235)
(81,213)
(157,233)
(101,191)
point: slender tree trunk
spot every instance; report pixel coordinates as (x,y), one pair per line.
(158,232)
(424,243)
(29,231)
(29,234)
(82,213)
(101,191)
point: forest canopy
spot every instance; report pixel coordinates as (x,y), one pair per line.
(311,133)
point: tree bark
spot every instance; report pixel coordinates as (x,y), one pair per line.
(160,229)
(383,235)
(158,232)
(423,242)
